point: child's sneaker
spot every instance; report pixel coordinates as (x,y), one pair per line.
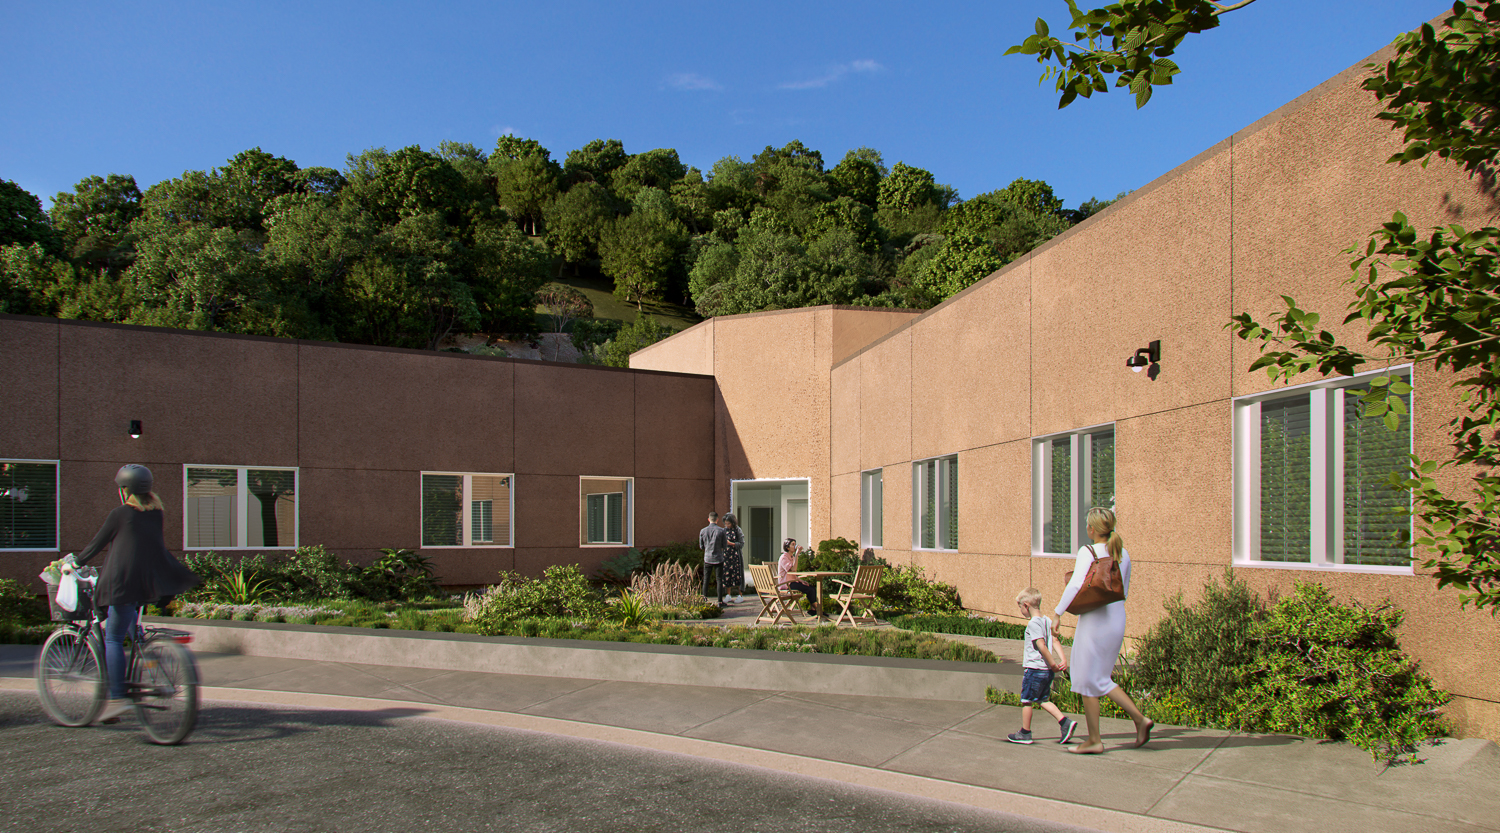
(1068,725)
(1022,736)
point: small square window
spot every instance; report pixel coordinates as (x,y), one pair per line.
(240,507)
(934,503)
(1071,473)
(467,510)
(606,508)
(28,505)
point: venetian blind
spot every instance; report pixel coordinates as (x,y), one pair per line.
(1286,479)
(1376,520)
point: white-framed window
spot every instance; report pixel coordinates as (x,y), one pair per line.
(1310,478)
(461,509)
(605,507)
(934,504)
(1070,474)
(28,505)
(240,507)
(871,508)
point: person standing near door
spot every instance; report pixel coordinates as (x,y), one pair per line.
(711,539)
(734,558)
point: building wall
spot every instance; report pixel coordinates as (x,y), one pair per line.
(361,424)
(1039,348)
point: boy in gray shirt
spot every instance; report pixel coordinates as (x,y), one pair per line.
(1039,664)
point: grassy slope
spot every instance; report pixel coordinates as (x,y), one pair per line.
(600,291)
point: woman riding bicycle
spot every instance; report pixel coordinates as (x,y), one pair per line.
(139,571)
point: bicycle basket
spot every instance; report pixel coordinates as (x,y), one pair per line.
(85,601)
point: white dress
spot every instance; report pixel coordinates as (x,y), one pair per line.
(1101,632)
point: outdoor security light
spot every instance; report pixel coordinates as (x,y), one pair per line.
(1145,357)
(135,429)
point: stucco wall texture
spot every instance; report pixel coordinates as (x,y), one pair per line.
(361,424)
(1039,348)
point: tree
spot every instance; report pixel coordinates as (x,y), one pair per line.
(643,332)
(1030,194)
(563,304)
(22,220)
(525,186)
(858,176)
(94,220)
(640,252)
(658,168)
(907,188)
(576,221)
(595,162)
(1432,298)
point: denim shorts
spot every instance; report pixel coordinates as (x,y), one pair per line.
(1036,685)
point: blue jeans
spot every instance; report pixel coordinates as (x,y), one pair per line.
(117,628)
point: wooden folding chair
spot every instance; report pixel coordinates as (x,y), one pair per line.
(862,591)
(774,601)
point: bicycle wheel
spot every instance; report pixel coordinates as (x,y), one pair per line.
(70,678)
(166,691)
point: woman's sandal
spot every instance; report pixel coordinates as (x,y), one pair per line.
(1143,736)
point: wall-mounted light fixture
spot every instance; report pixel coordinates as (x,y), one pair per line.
(1145,357)
(135,429)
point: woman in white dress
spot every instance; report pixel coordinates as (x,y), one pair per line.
(1099,635)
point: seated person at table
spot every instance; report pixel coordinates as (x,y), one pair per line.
(786,566)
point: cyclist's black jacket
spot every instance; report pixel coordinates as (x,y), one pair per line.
(139,570)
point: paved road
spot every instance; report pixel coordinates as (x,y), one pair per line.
(257,768)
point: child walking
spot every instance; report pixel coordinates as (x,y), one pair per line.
(1039,664)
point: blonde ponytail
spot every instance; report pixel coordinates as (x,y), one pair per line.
(1102,521)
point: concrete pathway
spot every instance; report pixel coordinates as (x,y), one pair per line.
(1184,780)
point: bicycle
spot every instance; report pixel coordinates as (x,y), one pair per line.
(161,675)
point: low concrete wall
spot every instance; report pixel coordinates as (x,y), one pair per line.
(919,679)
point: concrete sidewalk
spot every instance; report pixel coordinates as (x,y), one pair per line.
(1185,779)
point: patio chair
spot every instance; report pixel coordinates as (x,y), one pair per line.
(861,591)
(775,602)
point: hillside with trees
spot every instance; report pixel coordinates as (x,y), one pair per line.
(407,248)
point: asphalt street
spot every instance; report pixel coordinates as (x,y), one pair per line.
(259,768)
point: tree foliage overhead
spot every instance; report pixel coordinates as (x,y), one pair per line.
(1422,296)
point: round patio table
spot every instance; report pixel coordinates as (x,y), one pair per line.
(818,576)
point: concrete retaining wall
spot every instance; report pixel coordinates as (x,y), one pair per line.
(918,679)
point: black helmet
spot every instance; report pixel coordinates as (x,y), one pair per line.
(134,479)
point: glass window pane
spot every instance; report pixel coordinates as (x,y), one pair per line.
(272,508)
(1376,519)
(929,504)
(442,510)
(877,501)
(1060,520)
(28,506)
(1286,480)
(950,514)
(495,493)
(1101,471)
(614,518)
(605,519)
(212,498)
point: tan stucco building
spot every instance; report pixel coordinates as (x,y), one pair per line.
(970,438)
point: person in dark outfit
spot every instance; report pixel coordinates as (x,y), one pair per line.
(139,571)
(711,539)
(734,558)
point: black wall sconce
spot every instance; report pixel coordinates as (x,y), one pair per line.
(1147,356)
(135,429)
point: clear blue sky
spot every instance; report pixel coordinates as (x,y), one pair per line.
(154,88)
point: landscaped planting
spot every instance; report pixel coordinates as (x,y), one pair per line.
(1304,665)
(965,625)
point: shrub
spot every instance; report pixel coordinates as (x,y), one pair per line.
(670,585)
(674,552)
(966,625)
(399,574)
(905,589)
(312,572)
(1198,651)
(19,606)
(563,590)
(619,569)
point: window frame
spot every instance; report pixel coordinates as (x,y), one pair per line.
(1080,486)
(627,515)
(467,504)
(1325,502)
(941,504)
(242,508)
(872,509)
(56,505)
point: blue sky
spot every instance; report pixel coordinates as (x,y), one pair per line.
(153,89)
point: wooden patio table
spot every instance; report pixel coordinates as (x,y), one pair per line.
(818,576)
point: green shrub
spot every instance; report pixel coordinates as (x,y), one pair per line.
(1197,652)
(674,552)
(966,625)
(19,606)
(619,569)
(398,575)
(563,591)
(904,589)
(312,573)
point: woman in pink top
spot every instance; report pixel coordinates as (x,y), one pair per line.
(786,566)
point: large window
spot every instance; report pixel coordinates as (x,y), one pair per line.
(1071,474)
(238,507)
(605,505)
(1311,471)
(28,505)
(934,503)
(871,513)
(467,510)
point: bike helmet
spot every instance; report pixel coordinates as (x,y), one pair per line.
(134,479)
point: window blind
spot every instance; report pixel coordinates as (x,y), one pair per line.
(929,504)
(950,505)
(28,506)
(1286,479)
(212,495)
(1060,521)
(1376,519)
(442,510)
(494,493)
(1102,471)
